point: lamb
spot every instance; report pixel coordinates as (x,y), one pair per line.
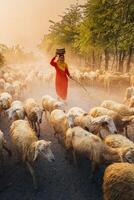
(49,104)
(117,107)
(94,149)
(76,111)
(60,122)
(118,182)
(118,141)
(28,145)
(5,101)
(34,114)
(96,125)
(119,121)
(16,111)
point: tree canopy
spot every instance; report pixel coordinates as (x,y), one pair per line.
(98,29)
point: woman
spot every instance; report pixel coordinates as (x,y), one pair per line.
(62,74)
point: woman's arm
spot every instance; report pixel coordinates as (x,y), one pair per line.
(53,63)
(67,72)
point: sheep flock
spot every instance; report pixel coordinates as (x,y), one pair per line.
(103,135)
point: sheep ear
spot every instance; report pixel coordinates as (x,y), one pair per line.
(85,114)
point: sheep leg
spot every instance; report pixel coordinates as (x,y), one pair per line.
(38,131)
(32,174)
(2,162)
(126,132)
(7,150)
(94,168)
(74,157)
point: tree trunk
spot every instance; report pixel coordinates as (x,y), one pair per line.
(129,59)
(113,63)
(93,60)
(106,59)
(121,60)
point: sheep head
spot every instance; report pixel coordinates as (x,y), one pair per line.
(128,155)
(42,148)
(59,105)
(37,113)
(5,104)
(70,119)
(106,122)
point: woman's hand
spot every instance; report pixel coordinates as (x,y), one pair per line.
(56,55)
(71,77)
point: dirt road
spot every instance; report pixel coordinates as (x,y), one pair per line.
(59,180)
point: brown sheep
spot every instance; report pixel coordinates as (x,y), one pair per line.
(119,182)
(84,142)
(96,125)
(119,121)
(3,146)
(28,145)
(34,114)
(122,109)
(118,141)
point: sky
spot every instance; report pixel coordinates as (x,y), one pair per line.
(26,21)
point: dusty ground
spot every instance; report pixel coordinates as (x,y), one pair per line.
(59,180)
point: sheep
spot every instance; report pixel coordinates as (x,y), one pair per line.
(76,111)
(118,141)
(96,125)
(132,80)
(2,84)
(60,123)
(34,114)
(16,111)
(119,121)
(3,146)
(128,94)
(109,79)
(5,101)
(9,88)
(49,104)
(17,88)
(28,145)
(84,142)
(118,182)
(117,107)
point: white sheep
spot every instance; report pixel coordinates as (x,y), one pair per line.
(96,125)
(60,122)
(16,111)
(2,84)
(128,94)
(117,107)
(28,145)
(118,182)
(119,121)
(85,143)
(76,111)
(34,114)
(49,104)
(9,88)
(5,101)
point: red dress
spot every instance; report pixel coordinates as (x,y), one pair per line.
(61,81)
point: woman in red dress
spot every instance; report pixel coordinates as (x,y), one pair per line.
(62,74)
